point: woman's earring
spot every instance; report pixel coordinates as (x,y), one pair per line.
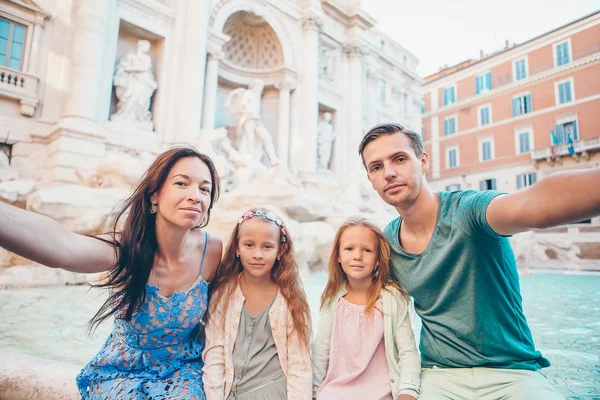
(153,208)
(278,258)
(237,255)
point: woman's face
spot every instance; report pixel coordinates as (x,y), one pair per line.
(184,198)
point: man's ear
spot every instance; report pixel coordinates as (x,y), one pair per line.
(424,162)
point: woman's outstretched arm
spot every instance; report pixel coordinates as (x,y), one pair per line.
(45,241)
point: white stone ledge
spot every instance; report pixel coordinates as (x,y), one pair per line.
(25,377)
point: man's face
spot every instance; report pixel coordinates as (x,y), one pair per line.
(394,170)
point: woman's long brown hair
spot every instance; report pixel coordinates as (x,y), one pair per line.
(136,244)
(337,276)
(284,273)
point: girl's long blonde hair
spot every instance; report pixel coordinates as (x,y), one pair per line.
(381,280)
(284,273)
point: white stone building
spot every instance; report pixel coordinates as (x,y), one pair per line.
(58,60)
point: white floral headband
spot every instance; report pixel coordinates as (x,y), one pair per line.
(271,216)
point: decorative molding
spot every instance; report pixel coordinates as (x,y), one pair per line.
(215,44)
(353,51)
(287,82)
(487,95)
(328,63)
(312,23)
(158,10)
(226,8)
(253,45)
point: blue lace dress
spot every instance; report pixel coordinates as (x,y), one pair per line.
(156,355)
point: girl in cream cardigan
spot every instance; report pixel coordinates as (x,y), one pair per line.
(365,348)
(257,335)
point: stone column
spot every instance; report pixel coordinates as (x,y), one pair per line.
(32,66)
(77,140)
(355,55)
(89,34)
(310,83)
(191,65)
(210,89)
(283,124)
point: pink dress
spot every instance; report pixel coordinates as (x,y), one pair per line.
(358,366)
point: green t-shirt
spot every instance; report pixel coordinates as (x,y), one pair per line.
(466,289)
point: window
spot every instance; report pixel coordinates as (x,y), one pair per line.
(524,144)
(452,157)
(487,184)
(562,53)
(564,91)
(486,150)
(520,69)
(522,105)
(485,115)
(453,187)
(382,90)
(450,126)
(524,180)
(449,95)
(483,82)
(12,42)
(566,129)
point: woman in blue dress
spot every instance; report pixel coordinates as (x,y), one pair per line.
(159,261)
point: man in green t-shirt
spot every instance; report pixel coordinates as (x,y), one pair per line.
(450,251)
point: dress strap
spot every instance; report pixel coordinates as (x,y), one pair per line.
(204,253)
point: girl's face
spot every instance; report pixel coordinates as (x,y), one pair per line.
(184,198)
(258,246)
(358,253)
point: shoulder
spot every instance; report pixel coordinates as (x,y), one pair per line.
(215,245)
(214,252)
(394,296)
(391,230)
(471,198)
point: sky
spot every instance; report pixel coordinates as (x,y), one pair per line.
(442,32)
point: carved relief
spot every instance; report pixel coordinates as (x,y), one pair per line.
(328,60)
(254,44)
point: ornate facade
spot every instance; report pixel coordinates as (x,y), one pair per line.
(58,93)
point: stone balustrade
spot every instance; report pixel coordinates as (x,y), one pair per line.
(20,86)
(582,146)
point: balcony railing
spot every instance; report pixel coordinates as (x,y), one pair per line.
(562,149)
(20,86)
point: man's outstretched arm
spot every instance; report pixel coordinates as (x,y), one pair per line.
(560,198)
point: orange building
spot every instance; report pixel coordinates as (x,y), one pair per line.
(510,118)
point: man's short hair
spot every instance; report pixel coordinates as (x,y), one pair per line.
(390,129)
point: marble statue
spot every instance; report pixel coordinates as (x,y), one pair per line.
(134,85)
(252,135)
(325,137)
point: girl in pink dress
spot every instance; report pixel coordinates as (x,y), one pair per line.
(364,348)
